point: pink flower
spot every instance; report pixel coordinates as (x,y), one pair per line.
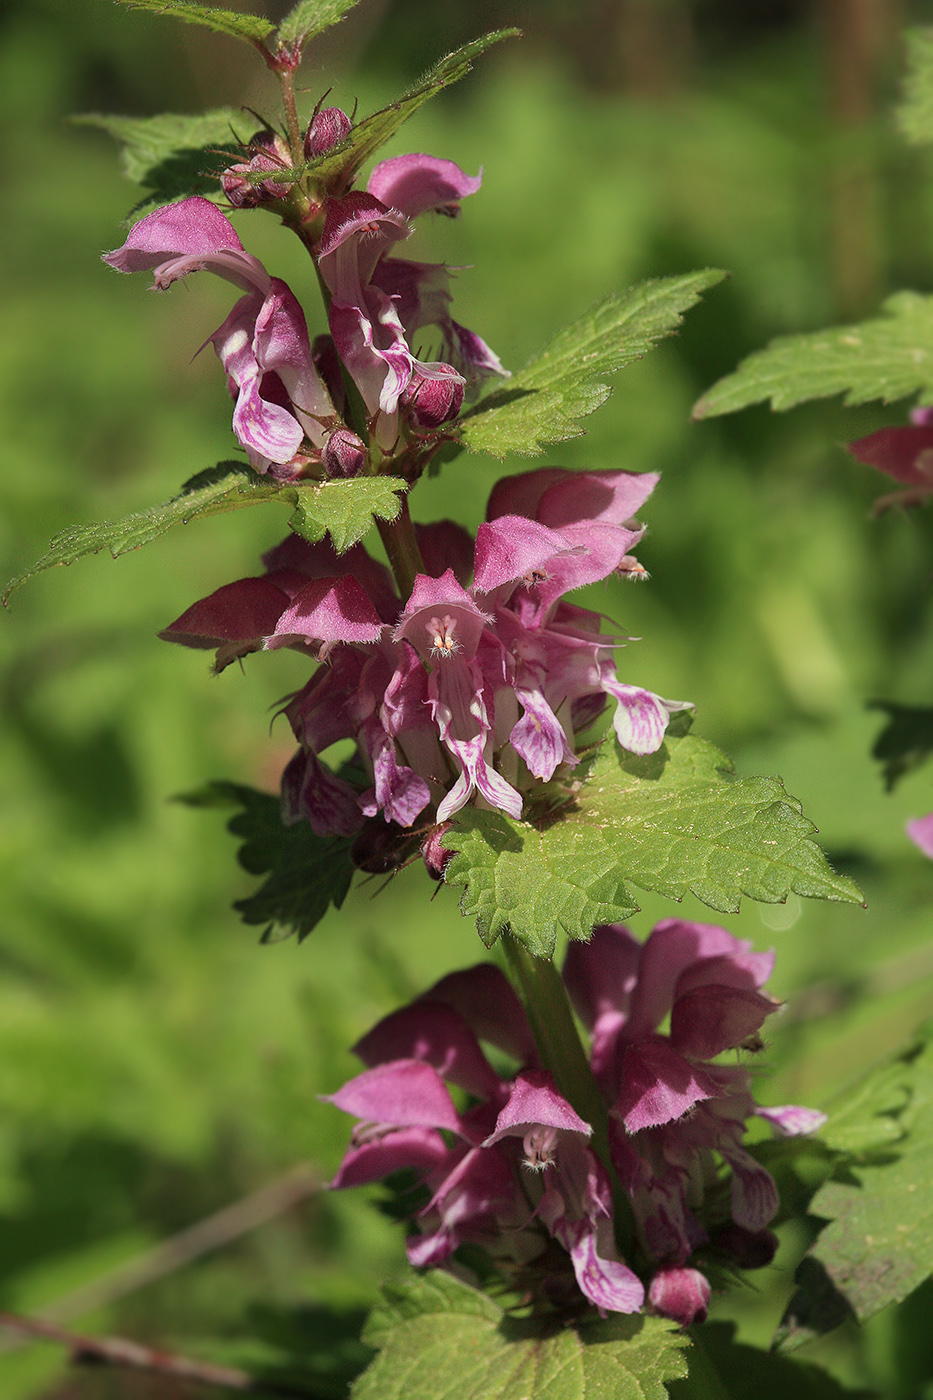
(518,1164)
(904,453)
(378,303)
(263,344)
(920,831)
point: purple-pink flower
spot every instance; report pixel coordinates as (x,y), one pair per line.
(906,453)
(516,1167)
(263,344)
(465,690)
(379,303)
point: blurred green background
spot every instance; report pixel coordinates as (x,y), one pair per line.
(156,1064)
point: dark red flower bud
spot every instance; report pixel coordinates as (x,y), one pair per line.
(433,396)
(268,152)
(344,453)
(329,127)
(434,853)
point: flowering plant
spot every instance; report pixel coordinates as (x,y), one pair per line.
(579,1155)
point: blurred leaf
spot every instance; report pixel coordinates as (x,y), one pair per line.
(906,740)
(885,359)
(438,1338)
(308,18)
(878,1245)
(173,155)
(564,383)
(344,509)
(252,28)
(672,822)
(306,873)
(339,167)
(915,114)
(723,1369)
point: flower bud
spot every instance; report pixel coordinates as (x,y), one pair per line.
(681,1294)
(268,152)
(434,395)
(344,454)
(329,127)
(434,853)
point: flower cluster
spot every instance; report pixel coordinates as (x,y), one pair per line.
(290,394)
(513,1169)
(475,685)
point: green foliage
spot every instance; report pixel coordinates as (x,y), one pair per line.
(172,155)
(906,742)
(887,358)
(878,1245)
(723,1369)
(253,28)
(339,167)
(437,1337)
(674,822)
(543,403)
(342,509)
(915,114)
(306,874)
(310,17)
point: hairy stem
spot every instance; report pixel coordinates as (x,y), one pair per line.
(287,79)
(544,995)
(398,537)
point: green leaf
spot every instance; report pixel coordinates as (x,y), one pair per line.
(253,28)
(723,1369)
(878,1246)
(887,358)
(339,167)
(543,403)
(906,742)
(344,509)
(306,874)
(438,1338)
(173,155)
(308,18)
(915,114)
(673,822)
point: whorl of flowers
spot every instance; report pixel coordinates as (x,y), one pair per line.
(509,1165)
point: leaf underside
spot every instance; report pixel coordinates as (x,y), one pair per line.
(439,1338)
(675,822)
(545,401)
(342,509)
(172,155)
(887,358)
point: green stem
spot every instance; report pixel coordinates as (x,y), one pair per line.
(546,1003)
(401,545)
(287,79)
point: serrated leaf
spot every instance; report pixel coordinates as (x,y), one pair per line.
(544,402)
(878,1245)
(344,509)
(438,1338)
(886,358)
(677,821)
(173,155)
(915,114)
(339,167)
(308,18)
(306,874)
(252,28)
